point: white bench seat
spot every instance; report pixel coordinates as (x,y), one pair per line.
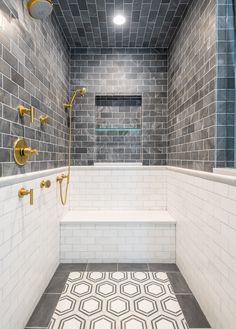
(118,216)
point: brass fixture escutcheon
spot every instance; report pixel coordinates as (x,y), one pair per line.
(22,152)
(45,183)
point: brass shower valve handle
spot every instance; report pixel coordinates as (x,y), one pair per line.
(28,151)
(26,110)
(44,119)
(23,192)
(61,177)
(45,183)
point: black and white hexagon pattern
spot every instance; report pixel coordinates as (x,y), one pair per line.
(119,300)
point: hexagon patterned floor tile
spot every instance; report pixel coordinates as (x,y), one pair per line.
(118,300)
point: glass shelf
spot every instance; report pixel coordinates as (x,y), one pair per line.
(121,129)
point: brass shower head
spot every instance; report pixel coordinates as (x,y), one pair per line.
(39,9)
(81,92)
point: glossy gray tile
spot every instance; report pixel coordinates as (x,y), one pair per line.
(102,267)
(132,267)
(26,80)
(120,134)
(163,267)
(67,268)
(192,89)
(56,284)
(43,311)
(178,283)
(192,312)
(149,23)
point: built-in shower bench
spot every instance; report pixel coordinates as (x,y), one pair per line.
(118,236)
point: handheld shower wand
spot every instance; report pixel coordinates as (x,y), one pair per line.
(81,91)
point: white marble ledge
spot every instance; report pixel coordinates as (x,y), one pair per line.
(118,167)
(118,217)
(224,179)
(229,179)
(225,171)
(117,164)
(15,179)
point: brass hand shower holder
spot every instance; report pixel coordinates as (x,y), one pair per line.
(23,192)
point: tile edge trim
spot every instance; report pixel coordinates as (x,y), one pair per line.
(15,179)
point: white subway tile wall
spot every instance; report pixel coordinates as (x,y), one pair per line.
(205,212)
(29,248)
(117,188)
(117,242)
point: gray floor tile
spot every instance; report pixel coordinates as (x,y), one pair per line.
(192,312)
(112,267)
(56,284)
(132,267)
(67,268)
(43,311)
(178,283)
(163,267)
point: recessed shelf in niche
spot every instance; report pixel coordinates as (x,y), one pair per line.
(119,129)
(118,100)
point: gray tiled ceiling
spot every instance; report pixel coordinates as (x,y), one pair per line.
(149,23)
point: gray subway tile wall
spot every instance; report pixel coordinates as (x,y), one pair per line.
(226,94)
(120,71)
(191,89)
(34,71)
(193,127)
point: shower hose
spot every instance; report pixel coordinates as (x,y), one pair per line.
(64,197)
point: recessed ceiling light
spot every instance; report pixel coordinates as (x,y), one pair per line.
(119,19)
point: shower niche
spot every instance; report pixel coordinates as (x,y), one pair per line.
(118,128)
